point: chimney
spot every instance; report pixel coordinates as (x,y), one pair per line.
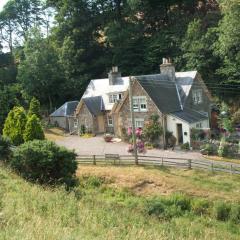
(114,76)
(168,68)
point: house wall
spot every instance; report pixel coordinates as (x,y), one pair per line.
(85,118)
(61,122)
(172,127)
(205,124)
(123,118)
(205,106)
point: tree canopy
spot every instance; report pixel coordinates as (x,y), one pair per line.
(54,58)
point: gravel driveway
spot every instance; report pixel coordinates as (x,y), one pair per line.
(97,146)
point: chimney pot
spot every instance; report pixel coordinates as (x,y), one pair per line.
(114,75)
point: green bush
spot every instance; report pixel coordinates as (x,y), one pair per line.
(44,162)
(221,211)
(33,129)
(182,201)
(14,125)
(200,206)
(207,149)
(223,149)
(153,129)
(185,146)
(4,148)
(34,108)
(235,213)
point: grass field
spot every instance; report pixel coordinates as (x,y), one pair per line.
(110,203)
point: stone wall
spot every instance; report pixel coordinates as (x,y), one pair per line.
(85,118)
(123,118)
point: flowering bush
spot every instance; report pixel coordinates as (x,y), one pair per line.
(108,137)
(140,143)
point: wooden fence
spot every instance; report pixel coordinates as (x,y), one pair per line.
(115,159)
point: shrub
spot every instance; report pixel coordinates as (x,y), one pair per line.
(34,108)
(181,201)
(33,129)
(44,162)
(223,149)
(153,129)
(82,129)
(156,207)
(235,213)
(200,206)
(207,149)
(14,125)
(4,148)
(185,146)
(221,211)
(236,117)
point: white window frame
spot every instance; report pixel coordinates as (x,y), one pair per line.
(199,125)
(137,121)
(75,123)
(197,96)
(139,104)
(110,121)
(114,97)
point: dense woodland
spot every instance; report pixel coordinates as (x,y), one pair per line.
(55,47)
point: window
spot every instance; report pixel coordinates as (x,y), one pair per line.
(139,104)
(199,125)
(113,98)
(75,123)
(197,96)
(110,120)
(139,122)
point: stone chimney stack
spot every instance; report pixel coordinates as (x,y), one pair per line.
(168,68)
(114,76)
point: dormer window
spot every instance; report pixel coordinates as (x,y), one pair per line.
(197,96)
(113,98)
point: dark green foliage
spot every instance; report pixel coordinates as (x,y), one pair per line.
(185,146)
(34,108)
(44,162)
(14,125)
(4,148)
(221,211)
(153,129)
(208,149)
(33,129)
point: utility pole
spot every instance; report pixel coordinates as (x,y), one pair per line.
(133,121)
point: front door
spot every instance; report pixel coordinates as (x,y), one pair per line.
(179,133)
(101,124)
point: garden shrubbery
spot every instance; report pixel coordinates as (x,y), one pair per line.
(179,205)
(44,162)
(4,148)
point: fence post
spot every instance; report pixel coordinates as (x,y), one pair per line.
(212,167)
(189,164)
(162,161)
(231,169)
(94,159)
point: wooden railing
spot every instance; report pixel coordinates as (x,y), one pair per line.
(115,159)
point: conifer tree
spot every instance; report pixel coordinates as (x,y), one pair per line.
(14,125)
(34,108)
(33,129)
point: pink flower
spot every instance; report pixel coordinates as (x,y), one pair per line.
(129,131)
(138,132)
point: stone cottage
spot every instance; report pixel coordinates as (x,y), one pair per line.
(181,99)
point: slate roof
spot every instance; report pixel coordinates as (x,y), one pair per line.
(162,91)
(94,104)
(67,109)
(190,116)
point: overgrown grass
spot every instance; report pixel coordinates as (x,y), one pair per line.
(93,210)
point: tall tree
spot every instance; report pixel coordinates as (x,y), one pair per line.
(39,72)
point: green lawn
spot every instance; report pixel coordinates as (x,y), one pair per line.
(94,210)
